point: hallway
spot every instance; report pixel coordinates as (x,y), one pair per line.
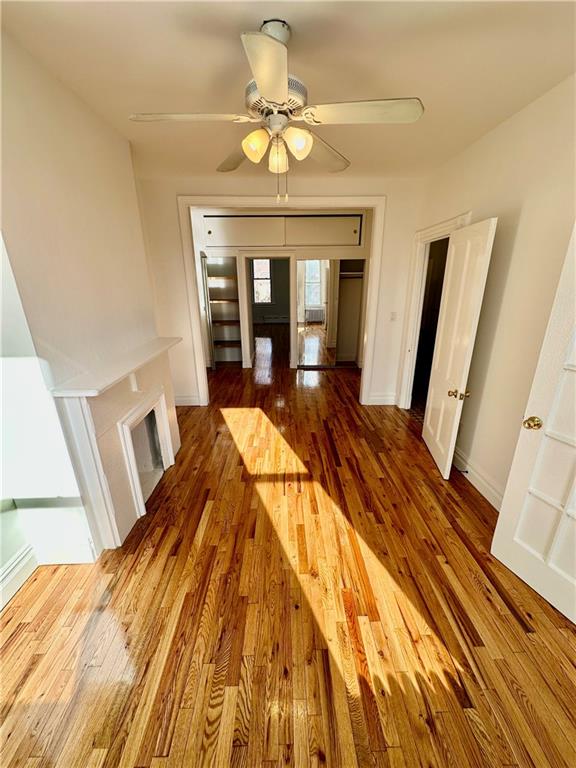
(312,349)
(303,591)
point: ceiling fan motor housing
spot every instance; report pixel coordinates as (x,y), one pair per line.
(258,106)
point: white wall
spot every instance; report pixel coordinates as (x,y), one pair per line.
(162,234)
(349,314)
(522,172)
(35,460)
(15,336)
(70,222)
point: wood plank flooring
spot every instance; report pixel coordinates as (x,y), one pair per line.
(312,349)
(304,591)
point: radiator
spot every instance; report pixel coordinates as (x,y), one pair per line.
(314,315)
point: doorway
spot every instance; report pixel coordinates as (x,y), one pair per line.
(192,211)
(269,296)
(435,270)
(330,300)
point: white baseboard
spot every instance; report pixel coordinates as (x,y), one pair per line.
(479,479)
(186,400)
(381,398)
(15,572)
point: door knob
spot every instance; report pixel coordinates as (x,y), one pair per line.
(453,393)
(532,422)
(462,395)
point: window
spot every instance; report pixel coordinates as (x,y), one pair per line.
(313,292)
(262,282)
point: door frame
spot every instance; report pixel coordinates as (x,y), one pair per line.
(245,292)
(189,205)
(415,298)
(363,302)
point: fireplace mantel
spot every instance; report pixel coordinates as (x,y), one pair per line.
(97,410)
(94,383)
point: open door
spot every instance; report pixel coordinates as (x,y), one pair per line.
(536,531)
(469,252)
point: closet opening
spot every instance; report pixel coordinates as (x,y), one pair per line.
(329,312)
(222,310)
(435,269)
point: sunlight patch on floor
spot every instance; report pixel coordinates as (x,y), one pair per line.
(282,481)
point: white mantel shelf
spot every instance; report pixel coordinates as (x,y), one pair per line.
(93,383)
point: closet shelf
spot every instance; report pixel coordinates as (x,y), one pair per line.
(223,301)
(226,342)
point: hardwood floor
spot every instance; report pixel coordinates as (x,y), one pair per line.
(312,349)
(305,590)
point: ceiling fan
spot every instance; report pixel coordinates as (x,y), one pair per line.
(277,100)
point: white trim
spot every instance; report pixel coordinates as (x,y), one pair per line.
(381,398)
(80,436)
(187,206)
(293,311)
(479,479)
(193,295)
(415,298)
(186,400)
(244,309)
(155,402)
(14,573)
(94,383)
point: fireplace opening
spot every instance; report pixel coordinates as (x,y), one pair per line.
(148,454)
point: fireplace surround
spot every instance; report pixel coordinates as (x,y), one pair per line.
(98,410)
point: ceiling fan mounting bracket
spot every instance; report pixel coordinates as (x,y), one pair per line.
(276,28)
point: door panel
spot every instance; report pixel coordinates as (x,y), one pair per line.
(228,231)
(323,230)
(536,531)
(469,252)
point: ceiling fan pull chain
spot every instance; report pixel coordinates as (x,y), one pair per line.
(275,147)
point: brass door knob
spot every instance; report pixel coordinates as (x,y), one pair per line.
(532,422)
(453,393)
(464,394)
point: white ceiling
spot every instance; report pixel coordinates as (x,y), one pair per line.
(472,64)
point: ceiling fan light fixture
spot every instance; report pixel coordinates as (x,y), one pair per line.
(255,144)
(299,142)
(278,157)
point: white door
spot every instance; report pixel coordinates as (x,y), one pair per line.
(536,531)
(469,252)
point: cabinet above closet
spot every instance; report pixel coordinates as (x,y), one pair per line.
(298,230)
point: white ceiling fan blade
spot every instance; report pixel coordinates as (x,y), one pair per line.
(233,161)
(326,156)
(357,112)
(268,59)
(189,117)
